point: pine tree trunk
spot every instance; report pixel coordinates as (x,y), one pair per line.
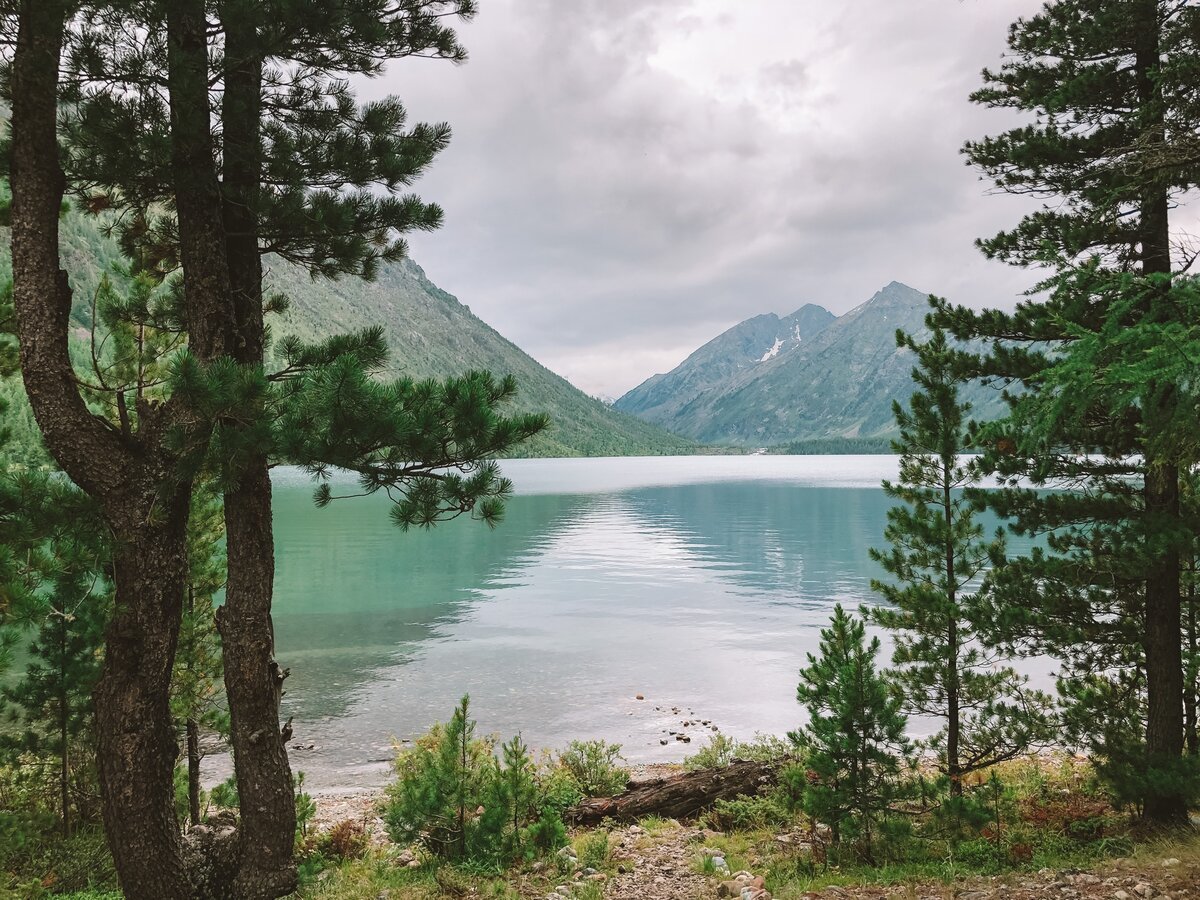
(1190,725)
(64,770)
(191,726)
(253,679)
(1164,657)
(135,735)
(953,725)
(136,747)
(193,754)
(253,683)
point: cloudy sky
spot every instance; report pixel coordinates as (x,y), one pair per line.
(628,178)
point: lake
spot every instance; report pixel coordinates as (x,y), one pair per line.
(698,582)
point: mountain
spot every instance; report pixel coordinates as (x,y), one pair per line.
(837,382)
(430,334)
(723,360)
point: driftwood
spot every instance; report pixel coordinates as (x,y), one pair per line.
(677,796)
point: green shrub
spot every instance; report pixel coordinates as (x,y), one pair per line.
(439,793)
(78,863)
(595,849)
(345,840)
(719,751)
(595,767)
(980,855)
(225,794)
(306,808)
(722,749)
(309,865)
(558,787)
(548,832)
(749,813)
(462,804)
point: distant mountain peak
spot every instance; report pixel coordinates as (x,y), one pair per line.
(755,342)
(808,375)
(894,295)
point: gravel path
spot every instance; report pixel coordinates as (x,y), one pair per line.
(658,866)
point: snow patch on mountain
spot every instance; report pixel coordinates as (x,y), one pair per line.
(773,352)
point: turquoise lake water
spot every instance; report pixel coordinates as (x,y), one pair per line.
(698,582)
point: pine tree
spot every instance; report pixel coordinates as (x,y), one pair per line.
(450,793)
(1109,87)
(938,558)
(854,741)
(518,788)
(51,705)
(302,170)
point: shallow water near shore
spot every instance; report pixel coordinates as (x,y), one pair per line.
(697,582)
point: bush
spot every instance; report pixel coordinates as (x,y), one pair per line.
(722,749)
(461,803)
(749,813)
(595,850)
(345,840)
(306,808)
(719,751)
(558,787)
(225,794)
(594,766)
(980,855)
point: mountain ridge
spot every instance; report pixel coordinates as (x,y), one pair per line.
(838,384)
(430,334)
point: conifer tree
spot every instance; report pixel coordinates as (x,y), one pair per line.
(301,170)
(938,558)
(1109,87)
(443,783)
(518,787)
(51,704)
(854,741)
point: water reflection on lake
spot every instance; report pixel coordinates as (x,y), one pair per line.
(699,582)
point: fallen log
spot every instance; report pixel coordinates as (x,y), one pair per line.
(677,796)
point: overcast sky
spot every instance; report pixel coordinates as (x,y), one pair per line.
(629,178)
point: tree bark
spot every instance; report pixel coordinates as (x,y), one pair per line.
(136,744)
(678,796)
(197,191)
(1164,655)
(64,761)
(953,722)
(1190,724)
(193,757)
(253,679)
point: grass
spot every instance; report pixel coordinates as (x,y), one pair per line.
(653,825)
(1053,806)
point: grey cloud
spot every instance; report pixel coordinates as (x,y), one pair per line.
(608,210)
